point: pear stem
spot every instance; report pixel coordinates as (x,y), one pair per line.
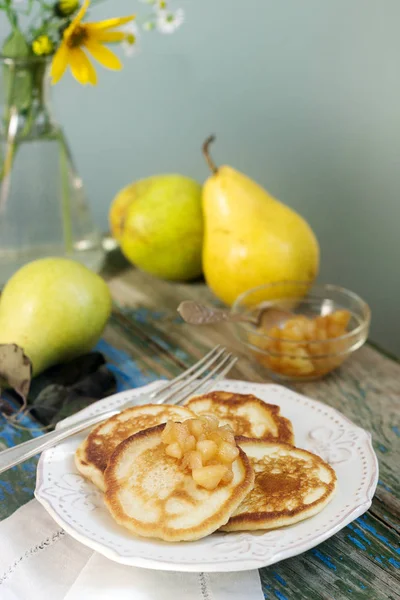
(209,160)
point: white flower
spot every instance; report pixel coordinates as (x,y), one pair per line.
(131,43)
(168,22)
(149,25)
(160,6)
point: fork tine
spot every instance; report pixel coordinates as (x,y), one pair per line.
(226,364)
(189,371)
(187,381)
(212,381)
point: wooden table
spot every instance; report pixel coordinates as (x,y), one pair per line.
(145,340)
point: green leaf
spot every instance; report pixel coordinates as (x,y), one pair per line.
(16,46)
(18,79)
(15,369)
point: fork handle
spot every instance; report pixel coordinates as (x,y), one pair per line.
(18,454)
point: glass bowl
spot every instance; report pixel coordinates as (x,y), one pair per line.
(305,332)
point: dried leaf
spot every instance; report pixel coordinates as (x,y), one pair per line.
(49,402)
(71,372)
(97,385)
(67,374)
(56,401)
(15,370)
(5,407)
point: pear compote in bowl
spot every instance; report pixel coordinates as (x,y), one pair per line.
(305,332)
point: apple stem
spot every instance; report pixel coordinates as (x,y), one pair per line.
(209,160)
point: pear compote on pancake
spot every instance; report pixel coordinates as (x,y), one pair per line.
(248,415)
(205,448)
(177,481)
(93,454)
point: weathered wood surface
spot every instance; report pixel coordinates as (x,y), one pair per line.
(356,562)
(146,339)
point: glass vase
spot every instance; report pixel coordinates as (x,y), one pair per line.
(43,209)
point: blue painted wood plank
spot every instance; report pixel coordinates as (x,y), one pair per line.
(126,371)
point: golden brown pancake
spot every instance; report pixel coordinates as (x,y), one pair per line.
(150,494)
(247,415)
(92,456)
(290,485)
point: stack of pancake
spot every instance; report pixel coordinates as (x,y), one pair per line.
(274,483)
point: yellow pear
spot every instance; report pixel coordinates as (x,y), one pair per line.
(250,237)
(55,309)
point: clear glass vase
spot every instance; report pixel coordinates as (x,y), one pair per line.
(43,209)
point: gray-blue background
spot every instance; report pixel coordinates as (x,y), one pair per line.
(304,96)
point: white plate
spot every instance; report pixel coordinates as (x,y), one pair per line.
(77,505)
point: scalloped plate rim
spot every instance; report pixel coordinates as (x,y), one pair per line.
(354,511)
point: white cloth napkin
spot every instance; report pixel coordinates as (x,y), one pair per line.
(39,561)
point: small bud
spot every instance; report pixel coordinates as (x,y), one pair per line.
(42,46)
(65,8)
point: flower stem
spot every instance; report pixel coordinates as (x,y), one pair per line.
(66,205)
(11,147)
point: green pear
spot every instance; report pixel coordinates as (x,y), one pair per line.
(55,309)
(159,224)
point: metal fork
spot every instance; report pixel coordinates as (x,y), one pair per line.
(203,374)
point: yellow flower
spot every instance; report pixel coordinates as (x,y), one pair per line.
(92,37)
(64,8)
(42,46)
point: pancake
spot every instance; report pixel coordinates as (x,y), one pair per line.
(247,415)
(92,456)
(149,493)
(290,485)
